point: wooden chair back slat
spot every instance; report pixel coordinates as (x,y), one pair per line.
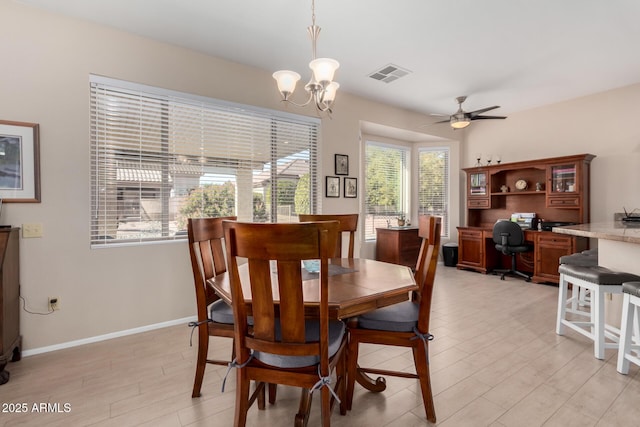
(348,224)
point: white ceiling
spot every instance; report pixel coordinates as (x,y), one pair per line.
(518,54)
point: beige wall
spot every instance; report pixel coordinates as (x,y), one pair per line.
(44,79)
(603,124)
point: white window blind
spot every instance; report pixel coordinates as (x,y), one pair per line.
(159,157)
(433,184)
(386,185)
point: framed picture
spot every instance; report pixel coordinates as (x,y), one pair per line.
(351,187)
(342,164)
(332,188)
(19,162)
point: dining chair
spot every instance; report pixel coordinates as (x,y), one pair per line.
(215,317)
(405,324)
(284,347)
(348,224)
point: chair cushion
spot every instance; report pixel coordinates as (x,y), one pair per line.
(632,288)
(312,333)
(401,317)
(221,312)
(599,275)
(580,259)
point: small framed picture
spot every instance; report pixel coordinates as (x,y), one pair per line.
(19,162)
(332,188)
(342,164)
(351,187)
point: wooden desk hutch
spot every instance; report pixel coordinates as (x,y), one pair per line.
(556,189)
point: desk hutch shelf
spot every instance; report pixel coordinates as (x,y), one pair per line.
(556,189)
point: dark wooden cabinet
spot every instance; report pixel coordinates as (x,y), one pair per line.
(10,339)
(556,189)
(398,245)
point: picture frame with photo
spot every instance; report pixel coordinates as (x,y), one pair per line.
(342,164)
(351,187)
(20,162)
(332,186)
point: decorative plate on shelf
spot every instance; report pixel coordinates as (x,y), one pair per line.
(521,184)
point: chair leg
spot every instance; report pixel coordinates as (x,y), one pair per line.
(421,360)
(597,312)
(326,407)
(562,304)
(201,364)
(352,367)
(273,388)
(625,335)
(242,398)
(302,417)
(341,370)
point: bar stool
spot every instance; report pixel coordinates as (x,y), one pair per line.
(629,351)
(598,281)
(586,258)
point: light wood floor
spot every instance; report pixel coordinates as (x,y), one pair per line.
(495,361)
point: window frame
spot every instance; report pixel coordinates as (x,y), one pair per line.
(274,121)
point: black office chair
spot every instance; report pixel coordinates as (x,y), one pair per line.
(509,239)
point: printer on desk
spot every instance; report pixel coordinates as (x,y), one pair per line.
(525,220)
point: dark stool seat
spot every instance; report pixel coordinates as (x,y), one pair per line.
(597,280)
(580,259)
(629,349)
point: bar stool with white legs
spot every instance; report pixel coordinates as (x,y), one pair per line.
(589,320)
(588,258)
(629,351)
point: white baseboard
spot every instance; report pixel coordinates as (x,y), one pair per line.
(32,352)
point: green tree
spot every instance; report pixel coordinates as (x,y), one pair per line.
(210,200)
(259,208)
(302,197)
(383,179)
(432,181)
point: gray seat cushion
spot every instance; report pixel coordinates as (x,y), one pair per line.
(632,288)
(580,259)
(221,312)
(400,317)
(312,333)
(598,274)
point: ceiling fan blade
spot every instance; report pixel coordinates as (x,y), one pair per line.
(483,110)
(441,121)
(438,115)
(487,117)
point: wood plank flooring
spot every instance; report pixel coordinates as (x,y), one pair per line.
(495,361)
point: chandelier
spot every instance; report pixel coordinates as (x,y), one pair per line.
(321,88)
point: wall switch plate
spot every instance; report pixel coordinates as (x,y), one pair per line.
(32,230)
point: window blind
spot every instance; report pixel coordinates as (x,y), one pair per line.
(386,186)
(433,184)
(159,157)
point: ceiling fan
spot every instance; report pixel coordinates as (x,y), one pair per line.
(461,119)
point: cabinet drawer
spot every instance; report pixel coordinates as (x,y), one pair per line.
(478,203)
(564,201)
(553,239)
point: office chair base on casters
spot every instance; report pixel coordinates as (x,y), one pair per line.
(503,273)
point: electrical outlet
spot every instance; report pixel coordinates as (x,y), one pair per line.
(54,303)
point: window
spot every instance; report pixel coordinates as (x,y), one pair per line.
(159,157)
(386,185)
(433,184)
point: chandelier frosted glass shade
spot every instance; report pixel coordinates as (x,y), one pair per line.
(324,69)
(287,81)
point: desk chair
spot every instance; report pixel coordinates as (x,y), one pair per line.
(509,239)
(284,347)
(215,318)
(405,324)
(348,224)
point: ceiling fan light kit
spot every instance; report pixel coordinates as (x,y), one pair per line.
(321,87)
(461,119)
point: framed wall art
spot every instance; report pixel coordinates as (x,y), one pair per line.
(332,187)
(19,162)
(342,164)
(351,187)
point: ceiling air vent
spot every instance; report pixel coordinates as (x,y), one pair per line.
(389,73)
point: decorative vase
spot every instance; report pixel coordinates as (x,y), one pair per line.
(400,222)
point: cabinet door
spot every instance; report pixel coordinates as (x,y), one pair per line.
(549,248)
(478,193)
(563,186)
(470,249)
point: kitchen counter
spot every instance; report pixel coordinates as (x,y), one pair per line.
(615,230)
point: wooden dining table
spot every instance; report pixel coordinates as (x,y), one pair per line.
(356,286)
